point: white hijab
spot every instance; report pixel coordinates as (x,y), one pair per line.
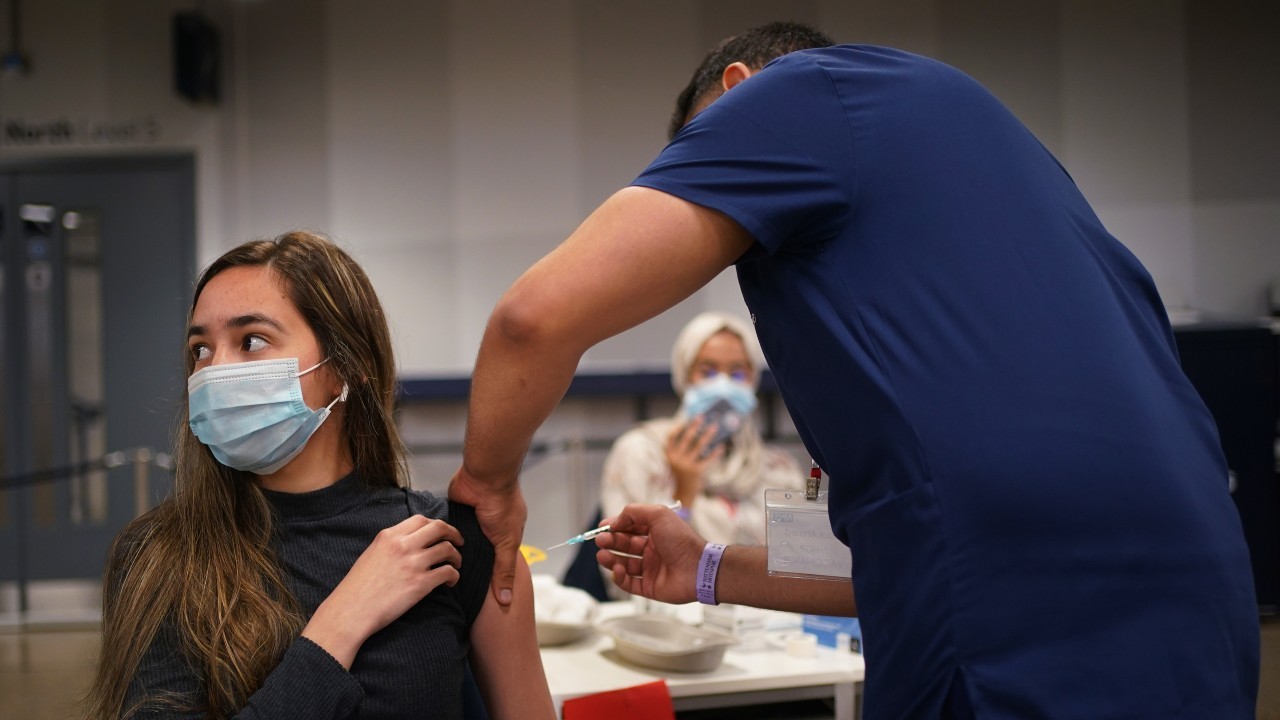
(698,332)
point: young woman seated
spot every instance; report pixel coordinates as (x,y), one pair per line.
(292,573)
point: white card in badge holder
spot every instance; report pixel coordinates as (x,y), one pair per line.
(800,540)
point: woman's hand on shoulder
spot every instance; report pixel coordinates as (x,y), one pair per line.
(402,565)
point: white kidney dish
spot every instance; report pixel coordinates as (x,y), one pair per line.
(562,614)
(665,643)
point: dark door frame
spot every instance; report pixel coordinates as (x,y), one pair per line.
(179,248)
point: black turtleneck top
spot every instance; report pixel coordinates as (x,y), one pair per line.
(411,668)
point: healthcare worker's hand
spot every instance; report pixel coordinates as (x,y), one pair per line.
(688,457)
(502,512)
(668,552)
(401,566)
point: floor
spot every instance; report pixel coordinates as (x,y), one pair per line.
(43,674)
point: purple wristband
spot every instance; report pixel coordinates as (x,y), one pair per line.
(708,566)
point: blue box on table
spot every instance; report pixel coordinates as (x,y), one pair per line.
(827,627)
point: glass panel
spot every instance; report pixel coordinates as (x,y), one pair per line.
(37,235)
(87,422)
(4,378)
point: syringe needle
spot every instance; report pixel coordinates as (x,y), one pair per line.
(576,539)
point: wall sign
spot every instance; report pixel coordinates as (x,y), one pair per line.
(64,131)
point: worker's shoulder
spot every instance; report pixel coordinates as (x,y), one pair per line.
(871,64)
(848,56)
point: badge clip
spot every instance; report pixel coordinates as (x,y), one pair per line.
(814,482)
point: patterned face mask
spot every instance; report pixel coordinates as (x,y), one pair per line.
(699,398)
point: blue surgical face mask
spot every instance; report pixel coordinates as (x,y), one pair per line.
(701,397)
(251,415)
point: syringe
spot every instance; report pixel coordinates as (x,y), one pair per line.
(583,537)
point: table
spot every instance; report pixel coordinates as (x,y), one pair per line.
(746,677)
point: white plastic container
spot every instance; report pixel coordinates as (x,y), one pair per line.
(665,643)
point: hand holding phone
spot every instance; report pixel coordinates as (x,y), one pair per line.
(724,421)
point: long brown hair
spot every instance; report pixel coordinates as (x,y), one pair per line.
(201,564)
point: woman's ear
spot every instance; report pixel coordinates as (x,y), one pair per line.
(337,386)
(734,74)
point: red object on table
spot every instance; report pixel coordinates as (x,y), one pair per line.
(651,701)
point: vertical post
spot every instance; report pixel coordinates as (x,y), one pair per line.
(24,603)
(578,477)
(141,480)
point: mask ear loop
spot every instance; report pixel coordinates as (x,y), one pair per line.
(341,398)
(313,367)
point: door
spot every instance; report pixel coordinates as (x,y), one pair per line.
(96,263)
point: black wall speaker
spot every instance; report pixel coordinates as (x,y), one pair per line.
(195,58)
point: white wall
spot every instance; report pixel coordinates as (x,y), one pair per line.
(450,144)
(1126,139)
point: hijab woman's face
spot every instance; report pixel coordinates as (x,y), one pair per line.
(722,354)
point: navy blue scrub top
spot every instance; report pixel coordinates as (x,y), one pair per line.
(1033,493)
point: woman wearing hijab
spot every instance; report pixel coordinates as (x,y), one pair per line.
(709,456)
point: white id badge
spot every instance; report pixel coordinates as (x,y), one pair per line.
(800,540)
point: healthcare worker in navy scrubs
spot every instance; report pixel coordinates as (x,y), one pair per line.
(1033,494)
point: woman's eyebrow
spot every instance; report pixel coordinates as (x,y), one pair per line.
(240,321)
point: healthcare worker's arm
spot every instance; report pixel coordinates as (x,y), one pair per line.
(638,254)
(505,657)
(666,567)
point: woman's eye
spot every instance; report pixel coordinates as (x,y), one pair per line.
(253,343)
(200,352)
(739,375)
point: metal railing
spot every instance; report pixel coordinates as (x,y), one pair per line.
(142,458)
